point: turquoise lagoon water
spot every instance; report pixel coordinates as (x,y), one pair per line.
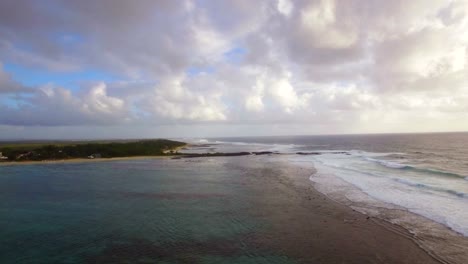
(135,211)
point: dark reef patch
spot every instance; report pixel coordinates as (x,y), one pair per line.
(144,251)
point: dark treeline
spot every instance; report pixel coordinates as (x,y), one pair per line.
(83,150)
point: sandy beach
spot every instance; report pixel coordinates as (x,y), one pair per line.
(81,160)
(314,229)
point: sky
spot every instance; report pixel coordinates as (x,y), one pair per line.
(200,68)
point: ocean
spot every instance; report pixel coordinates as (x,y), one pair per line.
(203,210)
(425,174)
(129,211)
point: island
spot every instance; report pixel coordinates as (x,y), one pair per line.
(50,151)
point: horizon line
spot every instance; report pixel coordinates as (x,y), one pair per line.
(242,136)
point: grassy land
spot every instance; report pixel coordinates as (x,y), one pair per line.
(58,150)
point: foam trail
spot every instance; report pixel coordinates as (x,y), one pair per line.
(397,165)
(441,199)
(389,164)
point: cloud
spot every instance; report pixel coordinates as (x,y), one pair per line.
(338,66)
(254,100)
(285,7)
(54,106)
(173,99)
(9,85)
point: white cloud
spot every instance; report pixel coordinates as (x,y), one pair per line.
(97,100)
(52,106)
(319,21)
(173,100)
(282,92)
(254,103)
(285,7)
(340,66)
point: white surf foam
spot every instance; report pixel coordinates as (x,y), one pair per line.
(428,204)
(436,198)
(389,164)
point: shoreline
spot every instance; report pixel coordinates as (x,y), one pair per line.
(169,156)
(314,228)
(81,160)
(437,239)
(310,212)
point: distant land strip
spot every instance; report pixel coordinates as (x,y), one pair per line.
(14,152)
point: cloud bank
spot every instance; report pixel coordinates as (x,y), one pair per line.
(226,67)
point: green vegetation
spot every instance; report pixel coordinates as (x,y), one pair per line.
(62,150)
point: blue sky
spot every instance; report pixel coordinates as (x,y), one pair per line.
(36,77)
(235,55)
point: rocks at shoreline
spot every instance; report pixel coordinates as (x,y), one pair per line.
(220,154)
(307,153)
(244,153)
(320,153)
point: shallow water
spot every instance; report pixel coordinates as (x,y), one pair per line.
(197,210)
(163,211)
(424,173)
(418,181)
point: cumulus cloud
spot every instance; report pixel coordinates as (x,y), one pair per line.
(52,106)
(339,66)
(173,99)
(285,7)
